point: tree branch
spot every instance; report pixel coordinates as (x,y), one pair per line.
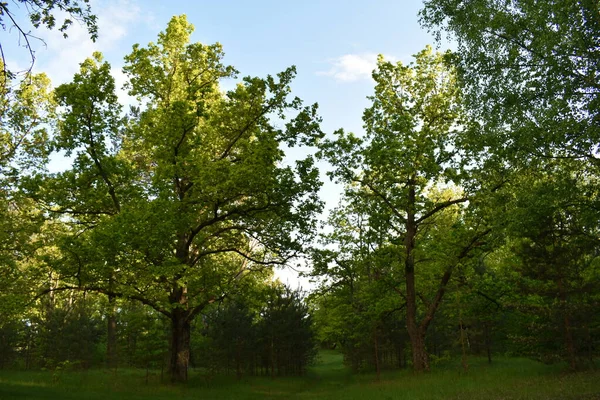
(107,292)
(439,208)
(474,242)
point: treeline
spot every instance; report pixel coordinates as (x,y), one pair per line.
(71,333)
(487,321)
(238,336)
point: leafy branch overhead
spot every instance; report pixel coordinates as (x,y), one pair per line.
(42,13)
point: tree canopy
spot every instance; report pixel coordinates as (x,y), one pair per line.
(176,202)
(530,72)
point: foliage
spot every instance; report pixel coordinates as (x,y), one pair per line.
(142,336)
(25,111)
(277,338)
(554,230)
(189,194)
(401,177)
(468,223)
(530,72)
(530,76)
(356,307)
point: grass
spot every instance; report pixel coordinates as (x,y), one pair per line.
(506,378)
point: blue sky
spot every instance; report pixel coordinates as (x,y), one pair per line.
(333,43)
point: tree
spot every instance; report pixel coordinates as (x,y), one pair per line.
(530,73)
(190,194)
(356,307)
(553,232)
(285,332)
(410,147)
(42,13)
(230,338)
(25,111)
(267,329)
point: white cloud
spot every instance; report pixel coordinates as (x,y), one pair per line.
(120,79)
(61,57)
(352,67)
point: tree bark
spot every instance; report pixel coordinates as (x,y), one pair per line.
(419,352)
(180,346)
(180,318)
(590,345)
(272,358)
(416,334)
(464,363)
(238,360)
(570,343)
(488,341)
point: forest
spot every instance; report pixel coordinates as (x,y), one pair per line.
(466,237)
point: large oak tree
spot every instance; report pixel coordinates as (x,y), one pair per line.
(174,205)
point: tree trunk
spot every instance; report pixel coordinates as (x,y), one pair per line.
(590,345)
(400,356)
(488,341)
(420,357)
(180,319)
(417,338)
(238,360)
(180,345)
(417,335)
(376,353)
(569,342)
(111,334)
(272,353)
(464,363)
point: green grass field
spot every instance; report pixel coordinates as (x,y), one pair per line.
(513,378)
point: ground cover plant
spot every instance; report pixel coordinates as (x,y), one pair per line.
(506,378)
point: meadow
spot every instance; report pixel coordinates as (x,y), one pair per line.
(505,378)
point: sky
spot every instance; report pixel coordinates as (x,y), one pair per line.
(333,44)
